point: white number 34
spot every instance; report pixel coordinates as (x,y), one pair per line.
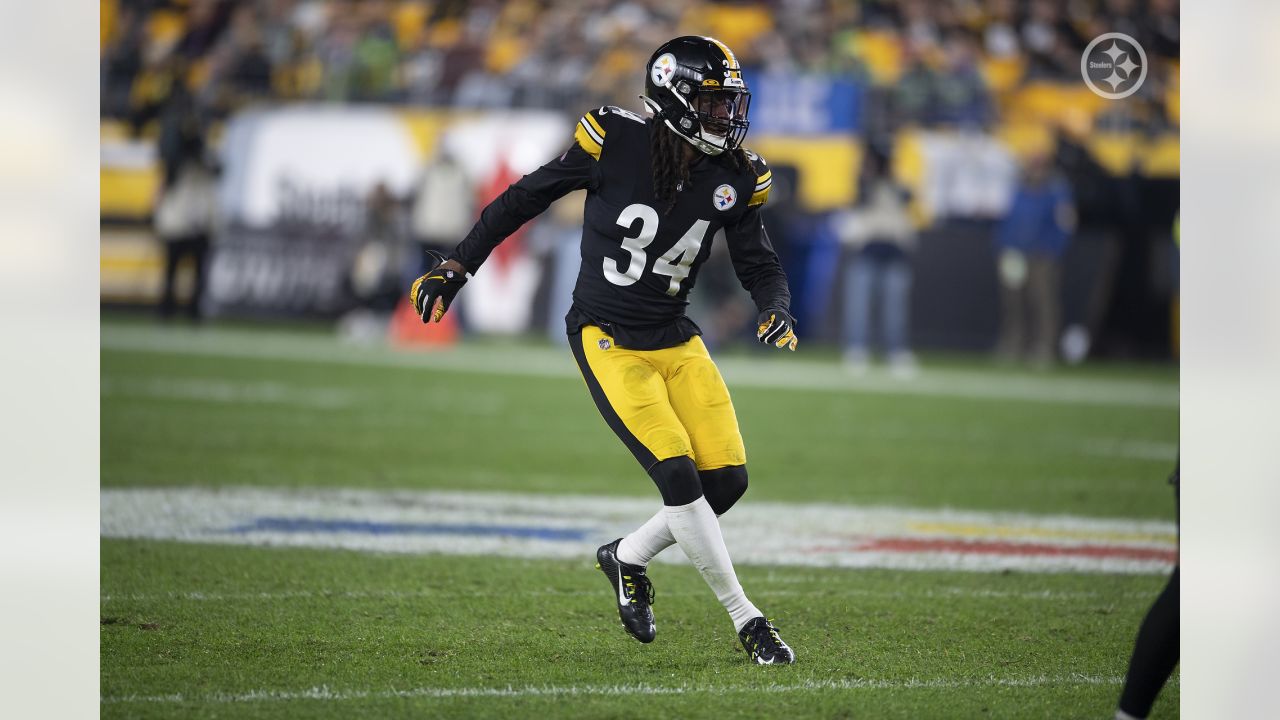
(674,263)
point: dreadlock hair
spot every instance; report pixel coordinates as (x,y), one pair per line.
(670,162)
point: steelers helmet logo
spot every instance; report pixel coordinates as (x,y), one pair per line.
(724,197)
(664,68)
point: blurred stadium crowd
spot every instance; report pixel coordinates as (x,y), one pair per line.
(993,199)
(928,62)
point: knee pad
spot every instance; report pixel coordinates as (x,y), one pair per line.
(677,480)
(723,486)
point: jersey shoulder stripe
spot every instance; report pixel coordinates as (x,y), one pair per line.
(596,125)
(764,180)
(590,135)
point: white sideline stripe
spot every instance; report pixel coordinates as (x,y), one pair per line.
(230,392)
(791,373)
(938,593)
(261,392)
(1133,449)
(326,693)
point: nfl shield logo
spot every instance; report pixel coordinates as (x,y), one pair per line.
(604,343)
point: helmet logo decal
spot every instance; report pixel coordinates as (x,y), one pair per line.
(664,68)
(724,197)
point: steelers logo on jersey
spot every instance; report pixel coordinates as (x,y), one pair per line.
(724,197)
(663,69)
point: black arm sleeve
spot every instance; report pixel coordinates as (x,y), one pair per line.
(756,263)
(521,202)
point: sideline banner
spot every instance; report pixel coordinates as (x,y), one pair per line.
(295,188)
(293,200)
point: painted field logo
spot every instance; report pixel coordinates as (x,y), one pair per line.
(573,526)
(1114,65)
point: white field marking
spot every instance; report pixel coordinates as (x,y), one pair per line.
(573,526)
(291,595)
(230,392)
(790,373)
(326,693)
(943,591)
(264,392)
(1133,449)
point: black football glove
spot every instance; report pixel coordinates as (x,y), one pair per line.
(434,292)
(777,328)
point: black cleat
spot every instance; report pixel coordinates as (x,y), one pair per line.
(633,591)
(763,645)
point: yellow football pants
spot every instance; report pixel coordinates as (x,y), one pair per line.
(661,403)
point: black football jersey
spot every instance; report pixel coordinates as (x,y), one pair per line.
(639,258)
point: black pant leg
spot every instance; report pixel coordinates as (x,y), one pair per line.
(199,251)
(1155,654)
(173,251)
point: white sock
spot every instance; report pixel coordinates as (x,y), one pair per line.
(695,527)
(1122,715)
(647,541)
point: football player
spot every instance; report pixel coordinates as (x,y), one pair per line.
(1155,651)
(659,188)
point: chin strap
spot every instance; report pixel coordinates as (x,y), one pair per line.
(666,117)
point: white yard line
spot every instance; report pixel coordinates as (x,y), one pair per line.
(325,693)
(791,373)
(291,595)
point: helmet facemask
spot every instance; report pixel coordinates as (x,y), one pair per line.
(712,120)
(722,116)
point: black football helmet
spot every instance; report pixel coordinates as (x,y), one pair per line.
(694,84)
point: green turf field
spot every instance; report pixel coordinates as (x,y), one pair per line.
(201,630)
